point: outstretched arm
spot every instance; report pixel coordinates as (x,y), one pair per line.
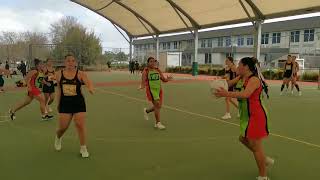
(87,81)
(143,79)
(253,84)
(165,79)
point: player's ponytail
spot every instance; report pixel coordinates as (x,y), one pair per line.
(254,67)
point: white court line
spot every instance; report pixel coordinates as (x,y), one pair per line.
(209,117)
(7,119)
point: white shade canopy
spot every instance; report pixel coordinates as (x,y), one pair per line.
(140,18)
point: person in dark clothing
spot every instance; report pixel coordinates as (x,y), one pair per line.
(131,67)
(7,67)
(23,68)
(136,66)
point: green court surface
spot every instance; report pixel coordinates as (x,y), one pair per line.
(197,144)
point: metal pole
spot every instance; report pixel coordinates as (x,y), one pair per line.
(130,50)
(195,61)
(257,39)
(157,47)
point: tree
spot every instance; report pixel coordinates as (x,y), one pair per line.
(121,56)
(15,46)
(75,38)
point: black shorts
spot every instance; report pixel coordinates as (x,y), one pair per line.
(287,75)
(71,105)
(48,89)
(231,89)
(1,81)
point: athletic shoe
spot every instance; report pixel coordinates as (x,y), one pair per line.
(12,115)
(300,93)
(145,114)
(281,93)
(262,178)
(57,143)
(47,117)
(291,92)
(84,152)
(226,116)
(269,161)
(159,126)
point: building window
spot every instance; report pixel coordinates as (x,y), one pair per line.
(179,45)
(203,43)
(186,59)
(265,38)
(207,59)
(175,45)
(249,41)
(209,43)
(240,41)
(220,41)
(168,45)
(190,43)
(295,36)
(229,55)
(276,37)
(164,46)
(228,41)
(308,35)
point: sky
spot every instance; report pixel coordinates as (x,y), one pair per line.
(37,15)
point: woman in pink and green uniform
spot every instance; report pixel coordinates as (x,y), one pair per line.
(254,126)
(151,80)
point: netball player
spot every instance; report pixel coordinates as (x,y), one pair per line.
(48,88)
(34,80)
(230,72)
(254,118)
(287,75)
(151,80)
(71,102)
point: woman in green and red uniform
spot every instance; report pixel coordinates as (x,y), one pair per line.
(254,126)
(34,80)
(151,80)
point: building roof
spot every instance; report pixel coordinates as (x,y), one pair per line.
(297,24)
(140,18)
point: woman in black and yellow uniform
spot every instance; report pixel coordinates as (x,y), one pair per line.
(71,103)
(230,72)
(48,88)
(295,75)
(287,75)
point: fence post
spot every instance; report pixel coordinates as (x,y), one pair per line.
(319,79)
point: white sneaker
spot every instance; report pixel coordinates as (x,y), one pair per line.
(145,114)
(57,143)
(159,126)
(226,116)
(12,115)
(262,178)
(281,93)
(291,92)
(269,161)
(300,93)
(84,152)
